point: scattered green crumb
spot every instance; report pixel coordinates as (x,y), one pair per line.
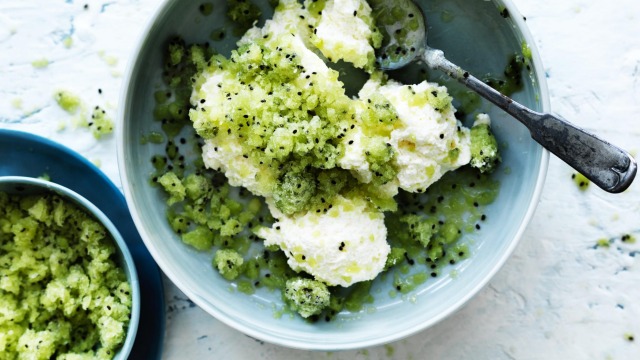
(511,79)
(16,103)
(606,243)
(484,148)
(306,296)
(395,257)
(386,14)
(206,8)
(277,314)
(229,263)
(68,101)
(80,120)
(173,186)
(628,238)
(45,177)
(294,192)
(200,238)
(62,292)
(97,162)
(153,137)
(100,123)
(243,13)
(406,284)
(390,350)
(197,187)
(108,59)
(161,96)
(526,50)
(218,34)
(504,12)
(245,287)
(580,180)
(67,42)
(469,101)
(40,63)
(360,294)
(447,16)
(61,125)
(629,337)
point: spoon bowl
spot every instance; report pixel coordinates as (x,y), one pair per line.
(404,31)
(405,40)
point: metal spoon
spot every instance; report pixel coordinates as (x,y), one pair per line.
(606,165)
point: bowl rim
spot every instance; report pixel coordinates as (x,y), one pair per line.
(244,327)
(130,267)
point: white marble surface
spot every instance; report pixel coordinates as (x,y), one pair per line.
(558,297)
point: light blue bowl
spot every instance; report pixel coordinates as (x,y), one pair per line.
(21,185)
(476,36)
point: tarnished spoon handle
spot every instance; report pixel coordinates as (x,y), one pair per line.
(606,165)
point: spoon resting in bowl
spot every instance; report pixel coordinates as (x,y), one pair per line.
(609,167)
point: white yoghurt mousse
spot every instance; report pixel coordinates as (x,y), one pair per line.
(225,154)
(275,120)
(344,31)
(343,246)
(429,140)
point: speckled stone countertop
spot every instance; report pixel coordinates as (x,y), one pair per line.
(558,297)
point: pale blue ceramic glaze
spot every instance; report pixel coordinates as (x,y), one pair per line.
(476,37)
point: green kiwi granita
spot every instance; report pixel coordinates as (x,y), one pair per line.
(300,188)
(62,293)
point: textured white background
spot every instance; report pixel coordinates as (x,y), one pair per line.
(556,298)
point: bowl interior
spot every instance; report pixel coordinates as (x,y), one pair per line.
(20,185)
(476,36)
